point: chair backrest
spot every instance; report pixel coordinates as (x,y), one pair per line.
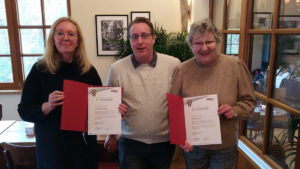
(0,111)
(2,159)
(19,156)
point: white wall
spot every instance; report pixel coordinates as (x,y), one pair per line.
(9,106)
(166,13)
(200,10)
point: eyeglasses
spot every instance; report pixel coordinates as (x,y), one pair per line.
(143,36)
(207,43)
(60,35)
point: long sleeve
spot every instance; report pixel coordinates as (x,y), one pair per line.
(245,100)
(176,84)
(39,85)
(111,77)
(95,78)
(30,107)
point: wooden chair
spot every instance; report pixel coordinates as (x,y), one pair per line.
(2,159)
(18,156)
(0,111)
(255,124)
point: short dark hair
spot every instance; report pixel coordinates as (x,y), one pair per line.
(141,20)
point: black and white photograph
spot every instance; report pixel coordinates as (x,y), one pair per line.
(110,30)
(135,14)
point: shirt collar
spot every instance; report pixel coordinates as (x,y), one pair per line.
(151,63)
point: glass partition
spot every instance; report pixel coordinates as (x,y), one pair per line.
(233,14)
(289,14)
(282,140)
(28,62)
(232,44)
(260,61)
(287,77)
(30,12)
(2,14)
(255,125)
(262,14)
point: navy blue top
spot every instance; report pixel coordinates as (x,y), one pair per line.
(57,149)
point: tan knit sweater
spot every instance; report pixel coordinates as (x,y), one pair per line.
(227,77)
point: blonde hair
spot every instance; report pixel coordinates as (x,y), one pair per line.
(51,59)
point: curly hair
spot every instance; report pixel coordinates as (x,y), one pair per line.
(202,27)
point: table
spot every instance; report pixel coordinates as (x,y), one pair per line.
(15,133)
(5,124)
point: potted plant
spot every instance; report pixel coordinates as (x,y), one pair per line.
(168,43)
(289,141)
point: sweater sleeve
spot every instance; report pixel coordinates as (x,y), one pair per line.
(30,107)
(112,76)
(246,100)
(96,80)
(176,84)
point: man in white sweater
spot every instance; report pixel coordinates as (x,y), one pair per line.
(145,77)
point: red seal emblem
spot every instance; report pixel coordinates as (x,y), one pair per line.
(94,92)
(189,103)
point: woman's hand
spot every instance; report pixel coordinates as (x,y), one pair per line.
(123,109)
(186,147)
(227,110)
(55,99)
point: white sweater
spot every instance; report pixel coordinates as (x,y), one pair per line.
(145,88)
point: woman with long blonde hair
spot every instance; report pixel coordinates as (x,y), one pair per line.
(42,97)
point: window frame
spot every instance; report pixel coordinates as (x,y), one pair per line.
(16,55)
(244,53)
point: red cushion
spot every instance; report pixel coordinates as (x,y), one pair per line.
(108,165)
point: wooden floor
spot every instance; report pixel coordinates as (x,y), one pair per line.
(178,160)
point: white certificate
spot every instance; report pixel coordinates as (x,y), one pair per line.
(202,120)
(103,114)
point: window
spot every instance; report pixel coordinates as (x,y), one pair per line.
(269,43)
(271,38)
(24,28)
(231,28)
(232,44)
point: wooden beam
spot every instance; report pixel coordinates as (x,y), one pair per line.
(211,10)
(185,13)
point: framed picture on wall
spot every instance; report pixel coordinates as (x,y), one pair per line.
(289,21)
(291,44)
(134,14)
(262,20)
(110,29)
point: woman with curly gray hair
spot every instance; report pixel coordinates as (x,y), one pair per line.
(209,72)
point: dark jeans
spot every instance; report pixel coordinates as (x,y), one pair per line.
(137,155)
(214,159)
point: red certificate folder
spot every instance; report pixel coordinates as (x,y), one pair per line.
(176,119)
(75,106)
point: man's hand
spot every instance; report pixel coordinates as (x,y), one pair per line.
(111,143)
(123,109)
(186,147)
